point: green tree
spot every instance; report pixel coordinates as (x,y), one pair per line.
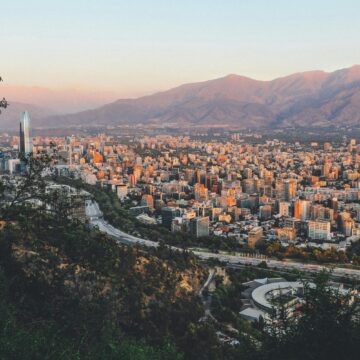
(326,327)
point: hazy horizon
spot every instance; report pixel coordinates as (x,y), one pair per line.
(135,49)
(69,100)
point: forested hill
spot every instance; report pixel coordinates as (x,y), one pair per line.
(72,293)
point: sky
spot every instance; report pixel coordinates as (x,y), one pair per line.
(137,47)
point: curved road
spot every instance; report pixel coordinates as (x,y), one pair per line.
(95,216)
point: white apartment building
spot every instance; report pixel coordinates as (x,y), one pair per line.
(319,230)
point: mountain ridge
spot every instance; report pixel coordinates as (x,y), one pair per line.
(311,98)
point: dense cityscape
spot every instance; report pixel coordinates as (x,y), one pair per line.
(179,180)
(263,197)
(259,214)
(224,199)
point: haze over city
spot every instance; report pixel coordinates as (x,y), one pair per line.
(136,48)
(179,180)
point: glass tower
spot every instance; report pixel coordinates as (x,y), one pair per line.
(25,139)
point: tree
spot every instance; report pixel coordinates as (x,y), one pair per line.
(326,327)
(29,189)
(3,103)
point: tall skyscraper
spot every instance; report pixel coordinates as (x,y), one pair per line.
(25,139)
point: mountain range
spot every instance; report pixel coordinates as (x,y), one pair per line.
(313,98)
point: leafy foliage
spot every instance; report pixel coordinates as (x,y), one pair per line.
(327,327)
(86,286)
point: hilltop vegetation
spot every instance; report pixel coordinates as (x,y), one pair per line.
(68,290)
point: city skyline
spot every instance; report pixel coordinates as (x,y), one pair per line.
(180,180)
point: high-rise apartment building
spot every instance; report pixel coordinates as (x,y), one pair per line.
(199,226)
(302,209)
(319,230)
(255,234)
(168,214)
(200,192)
(289,189)
(265,212)
(284,208)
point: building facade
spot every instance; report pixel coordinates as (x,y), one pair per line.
(25,136)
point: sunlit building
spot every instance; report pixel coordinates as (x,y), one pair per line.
(319,230)
(302,209)
(25,138)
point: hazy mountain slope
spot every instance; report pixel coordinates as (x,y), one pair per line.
(60,101)
(10,117)
(340,108)
(309,98)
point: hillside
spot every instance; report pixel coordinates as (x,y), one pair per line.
(71,293)
(310,98)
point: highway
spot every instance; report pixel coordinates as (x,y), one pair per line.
(95,217)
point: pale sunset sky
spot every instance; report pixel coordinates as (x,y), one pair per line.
(141,46)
